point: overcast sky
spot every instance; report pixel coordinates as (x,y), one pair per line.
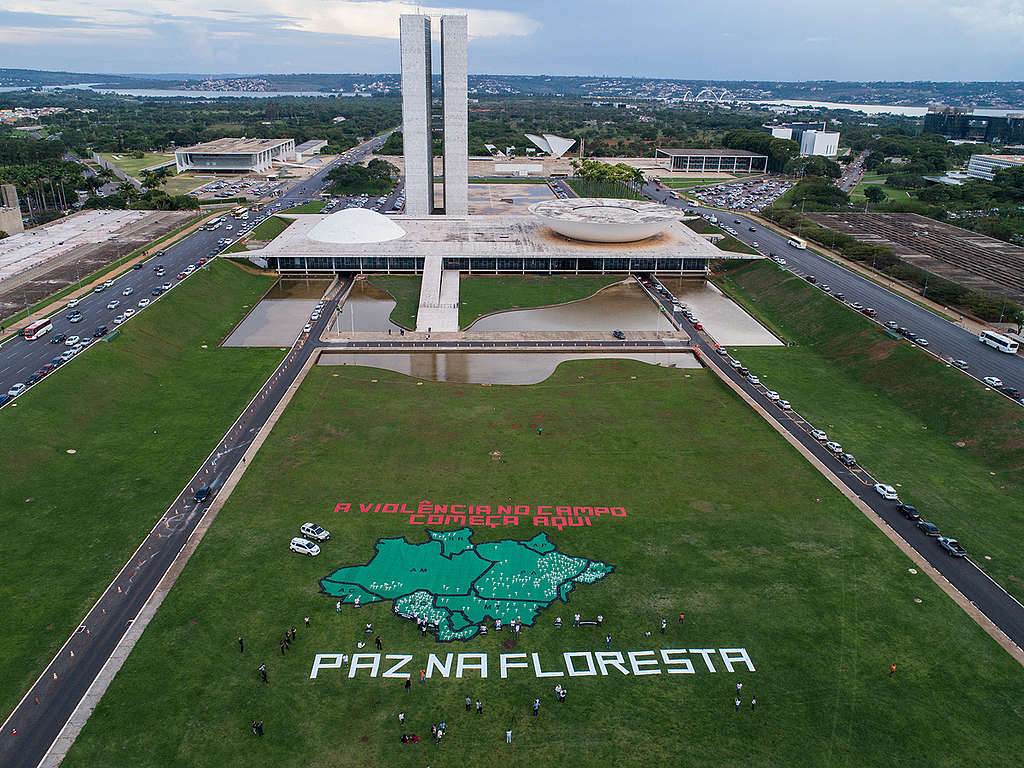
(690,39)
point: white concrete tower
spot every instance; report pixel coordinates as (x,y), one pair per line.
(454,96)
(414,34)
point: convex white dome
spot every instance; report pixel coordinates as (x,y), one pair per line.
(355,225)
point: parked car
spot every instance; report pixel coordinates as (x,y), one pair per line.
(304,547)
(908,511)
(952,546)
(834,447)
(921,341)
(819,435)
(929,529)
(314,531)
(753,379)
(772,395)
(993,381)
(70,341)
(961,364)
(784,405)
(201,495)
(887,492)
(618,334)
(848,460)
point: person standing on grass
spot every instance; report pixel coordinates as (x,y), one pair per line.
(408,684)
(664,623)
(508,736)
(479,707)
(737,705)
(753,703)
(607,641)
(380,645)
(469,703)
(241,644)
(892,670)
(536,707)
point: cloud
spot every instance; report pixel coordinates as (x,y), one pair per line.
(354,18)
(1001,20)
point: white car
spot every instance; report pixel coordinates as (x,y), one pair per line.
(165,287)
(65,356)
(304,547)
(307,328)
(772,395)
(113,304)
(70,341)
(753,379)
(128,313)
(784,405)
(834,447)
(73,303)
(735,363)
(107,283)
(128,291)
(886,491)
(817,434)
(143,302)
(119,319)
(17,389)
(992,381)
(315,532)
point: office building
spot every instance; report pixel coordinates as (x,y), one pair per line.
(715,160)
(985,166)
(813,138)
(417,115)
(235,155)
(965,125)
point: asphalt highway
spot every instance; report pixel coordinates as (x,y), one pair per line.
(27,734)
(972,582)
(946,340)
(20,358)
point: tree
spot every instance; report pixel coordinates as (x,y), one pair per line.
(875,194)
(3,234)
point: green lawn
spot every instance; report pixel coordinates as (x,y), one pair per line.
(730,525)
(131,166)
(953,447)
(183,184)
(269,228)
(406,291)
(141,412)
(313,206)
(890,192)
(481,295)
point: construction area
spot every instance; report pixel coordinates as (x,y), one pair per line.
(976,261)
(42,261)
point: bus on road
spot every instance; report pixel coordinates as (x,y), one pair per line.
(37,329)
(797,242)
(997,340)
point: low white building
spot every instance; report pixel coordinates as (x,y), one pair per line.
(239,155)
(824,143)
(985,166)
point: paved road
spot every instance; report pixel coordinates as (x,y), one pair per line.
(946,339)
(1004,611)
(20,358)
(853,173)
(68,677)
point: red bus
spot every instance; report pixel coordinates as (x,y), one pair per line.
(37,329)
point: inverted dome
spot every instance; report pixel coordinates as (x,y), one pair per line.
(604,220)
(355,225)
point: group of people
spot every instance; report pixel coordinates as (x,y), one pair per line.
(578,621)
(560,692)
(736,702)
(290,633)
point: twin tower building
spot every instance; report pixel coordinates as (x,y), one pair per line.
(423,117)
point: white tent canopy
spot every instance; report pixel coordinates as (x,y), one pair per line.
(555,146)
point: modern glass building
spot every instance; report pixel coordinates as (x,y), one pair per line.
(715,160)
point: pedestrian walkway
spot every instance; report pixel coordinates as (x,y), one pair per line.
(439,298)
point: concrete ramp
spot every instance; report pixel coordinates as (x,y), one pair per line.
(439,298)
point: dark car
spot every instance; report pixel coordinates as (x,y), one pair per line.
(57,338)
(618,334)
(930,529)
(848,460)
(4,397)
(1011,392)
(57,362)
(908,511)
(137,265)
(839,296)
(156,291)
(100,331)
(812,279)
(744,371)
(202,495)
(33,378)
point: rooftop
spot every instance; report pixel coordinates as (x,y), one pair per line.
(477,236)
(708,152)
(604,220)
(1006,158)
(309,146)
(234,146)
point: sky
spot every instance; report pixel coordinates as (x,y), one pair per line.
(686,39)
